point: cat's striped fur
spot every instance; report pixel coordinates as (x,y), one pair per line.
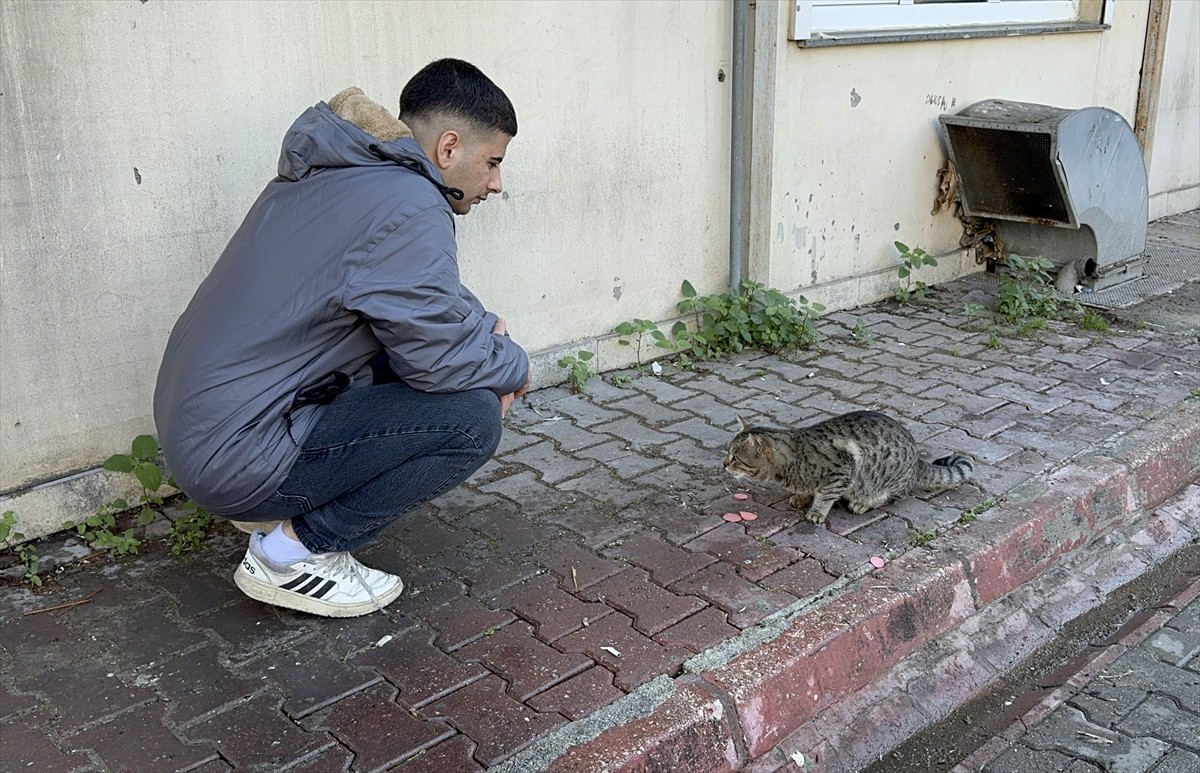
(865,458)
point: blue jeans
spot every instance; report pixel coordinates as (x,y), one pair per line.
(376,453)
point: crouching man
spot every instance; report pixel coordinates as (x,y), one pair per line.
(332,373)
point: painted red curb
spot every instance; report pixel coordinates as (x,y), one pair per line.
(692,730)
(838,648)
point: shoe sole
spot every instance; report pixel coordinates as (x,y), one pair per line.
(266,527)
(276,596)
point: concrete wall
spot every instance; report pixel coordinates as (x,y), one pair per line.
(1174,139)
(855,148)
(135,136)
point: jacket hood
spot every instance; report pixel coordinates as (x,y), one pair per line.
(341,133)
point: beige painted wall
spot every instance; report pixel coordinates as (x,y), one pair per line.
(616,182)
(856,148)
(1174,147)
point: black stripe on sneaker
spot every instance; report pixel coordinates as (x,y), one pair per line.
(320,592)
(291,584)
(305,589)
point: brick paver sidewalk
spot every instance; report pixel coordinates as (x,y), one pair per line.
(587,559)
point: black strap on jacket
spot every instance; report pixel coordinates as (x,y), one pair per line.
(413,165)
(320,392)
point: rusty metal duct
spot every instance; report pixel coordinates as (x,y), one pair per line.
(1065,185)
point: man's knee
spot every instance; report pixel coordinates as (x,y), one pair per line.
(482,409)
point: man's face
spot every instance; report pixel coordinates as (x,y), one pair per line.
(476,169)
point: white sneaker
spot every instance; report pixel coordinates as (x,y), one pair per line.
(326,584)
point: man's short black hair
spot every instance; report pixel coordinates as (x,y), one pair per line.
(459,89)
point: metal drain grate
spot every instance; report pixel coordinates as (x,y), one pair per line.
(1167,267)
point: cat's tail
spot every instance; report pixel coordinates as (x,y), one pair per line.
(946,472)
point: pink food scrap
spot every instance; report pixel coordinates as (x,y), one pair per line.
(748,516)
(732,517)
(741,497)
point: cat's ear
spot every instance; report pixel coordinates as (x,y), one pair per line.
(759,445)
(743,425)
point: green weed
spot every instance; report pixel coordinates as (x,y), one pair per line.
(578,371)
(921,537)
(25,552)
(1091,320)
(912,259)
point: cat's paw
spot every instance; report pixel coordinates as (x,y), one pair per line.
(799,502)
(815,517)
(858,506)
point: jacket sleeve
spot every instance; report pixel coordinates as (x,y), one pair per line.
(438,339)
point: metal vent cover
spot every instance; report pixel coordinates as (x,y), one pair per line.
(1066,185)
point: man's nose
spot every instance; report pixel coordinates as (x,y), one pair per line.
(495,185)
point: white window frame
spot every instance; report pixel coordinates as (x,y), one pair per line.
(827,18)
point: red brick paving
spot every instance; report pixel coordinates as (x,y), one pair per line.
(378,730)
(484,711)
(599,526)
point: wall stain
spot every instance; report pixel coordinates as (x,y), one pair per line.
(854,98)
(137,176)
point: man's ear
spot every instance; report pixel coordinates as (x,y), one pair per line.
(448,149)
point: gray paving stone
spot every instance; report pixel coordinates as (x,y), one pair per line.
(1022,759)
(1173,646)
(1178,761)
(1068,731)
(566,433)
(1161,718)
(551,465)
(702,431)
(652,412)
(636,435)
(705,406)
(583,410)
(663,391)
(1140,669)
(723,390)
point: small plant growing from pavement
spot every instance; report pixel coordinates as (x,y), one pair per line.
(25,553)
(186,533)
(922,537)
(969,516)
(577,368)
(1028,292)
(636,330)
(142,461)
(863,334)
(912,260)
(753,316)
(1091,320)
(97,529)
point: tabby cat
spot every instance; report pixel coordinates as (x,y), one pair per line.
(864,457)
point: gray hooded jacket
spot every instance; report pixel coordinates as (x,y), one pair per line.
(345,253)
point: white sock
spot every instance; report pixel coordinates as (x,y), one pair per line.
(279,548)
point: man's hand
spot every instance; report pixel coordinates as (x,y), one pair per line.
(501,327)
(528,382)
(506,402)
